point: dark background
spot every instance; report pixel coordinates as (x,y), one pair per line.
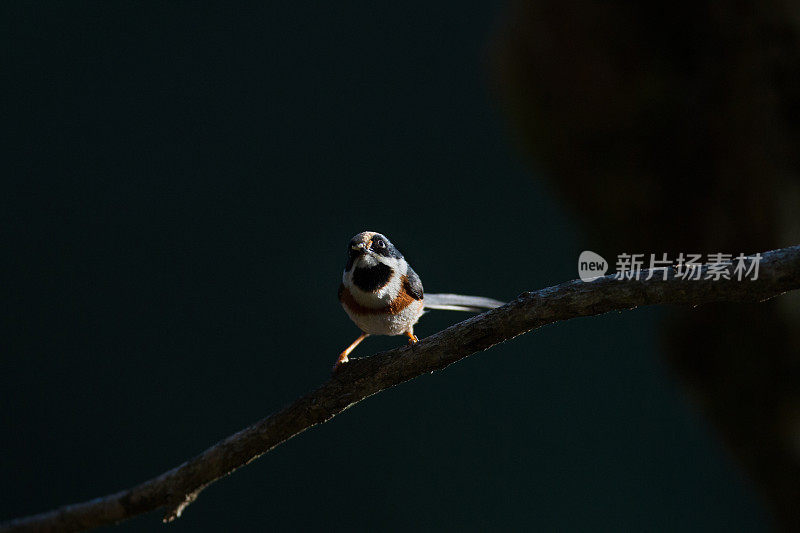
(181,183)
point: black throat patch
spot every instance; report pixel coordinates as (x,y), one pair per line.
(373,278)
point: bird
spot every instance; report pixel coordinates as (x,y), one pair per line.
(382,294)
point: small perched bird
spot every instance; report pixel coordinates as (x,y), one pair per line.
(383,295)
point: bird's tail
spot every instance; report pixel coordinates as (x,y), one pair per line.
(459,302)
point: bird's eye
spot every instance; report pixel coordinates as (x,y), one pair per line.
(380,244)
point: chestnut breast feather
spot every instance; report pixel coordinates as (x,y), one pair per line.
(404,299)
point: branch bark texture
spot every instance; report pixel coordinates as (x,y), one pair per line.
(176,489)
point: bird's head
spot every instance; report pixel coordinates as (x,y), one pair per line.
(369,249)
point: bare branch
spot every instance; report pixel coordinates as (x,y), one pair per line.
(361,378)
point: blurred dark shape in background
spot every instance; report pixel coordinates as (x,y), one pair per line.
(675,127)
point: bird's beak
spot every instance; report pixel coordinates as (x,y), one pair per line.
(362,247)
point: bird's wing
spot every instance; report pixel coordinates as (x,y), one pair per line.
(459,302)
(412,284)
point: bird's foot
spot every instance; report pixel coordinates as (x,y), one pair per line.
(339,362)
(343,356)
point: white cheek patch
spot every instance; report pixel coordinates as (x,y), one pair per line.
(402,267)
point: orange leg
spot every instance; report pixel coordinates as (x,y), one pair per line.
(412,339)
(343,356)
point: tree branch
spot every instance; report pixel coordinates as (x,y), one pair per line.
(363,377)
